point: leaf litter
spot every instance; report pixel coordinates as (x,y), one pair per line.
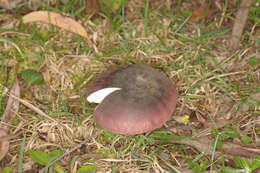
(204,105)
(11,110)
(57,19)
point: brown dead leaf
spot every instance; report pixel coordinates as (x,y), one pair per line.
(199,14)
(228,148)
(202,120)
(4,145)
(56,19)
(212,125)
(9,4)
(5,4)
(240,22)
(92,6)
(12,106)
(256,97)
(11,110)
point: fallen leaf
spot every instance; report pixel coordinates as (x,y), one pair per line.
(240,23)
(199,14)
(212,125)
(202,120)
(256,97)
(11,110)
(12,106)
(9,4)
(92,6)
(228,148)
(5,4)
(56,19)
(4,145)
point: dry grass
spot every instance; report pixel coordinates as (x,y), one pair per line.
(212,82)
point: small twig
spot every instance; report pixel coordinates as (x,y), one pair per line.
(31,106)
(13,44)
(68,152)
(34,108)
(224,75)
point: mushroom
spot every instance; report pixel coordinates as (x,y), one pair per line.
(133,99)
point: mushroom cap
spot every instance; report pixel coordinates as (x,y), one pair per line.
(140,99)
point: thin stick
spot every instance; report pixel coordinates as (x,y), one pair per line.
(68,152)
(34,108)
(31,106)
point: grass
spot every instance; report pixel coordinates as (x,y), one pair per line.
(20,161)
(195,56)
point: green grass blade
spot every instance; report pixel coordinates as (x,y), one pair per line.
(146,17)
(20,160)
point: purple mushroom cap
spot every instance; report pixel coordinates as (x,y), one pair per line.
(142,100)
